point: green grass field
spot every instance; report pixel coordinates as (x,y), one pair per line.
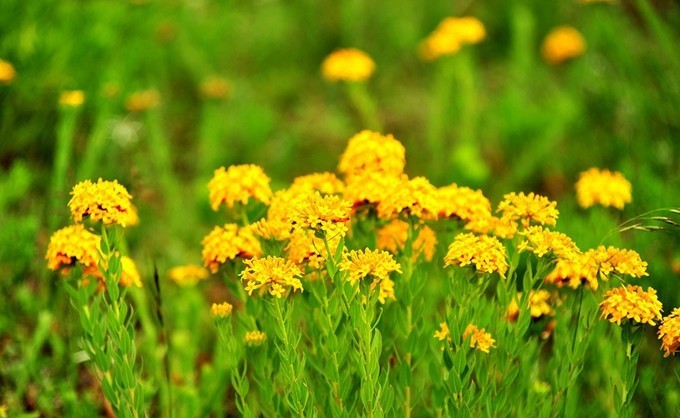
(158,95)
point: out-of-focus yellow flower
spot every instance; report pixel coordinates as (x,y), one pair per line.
(415,197)
(539,305)
(141,101)
(239,183)
(561,44)
(221,310)
(376,264)
(368,189)
(321,213)
(215,88)
(542,241)
(462,203)
(669,333)
(631,302)
(575,272)
(443,333)
(348,64)
(325,183)
(486,253)
(274,229)
(255,338)
(479,338)
(272,274)
(227,243)
(527,209)
(72,98)
(73,245)
(129,275)
(106,201)
(502,228)
(392,237)
(7,72)
(305,249)
(451,34)
(188,275)
(603,187)
(371,151)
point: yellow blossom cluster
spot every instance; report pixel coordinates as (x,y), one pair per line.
(414,197)
(479,338)
(631,302)
(443,333)
(450,36)
(188,275)
(486,253)
(72,98)
(73,245)
(255,338)
(561,44)
(539,305)
(368,189)
(348,64)
(376,264)
(603,187)
(621,261)
(542,241)
(321,213)
(393,236)
(669,333)
(370,151)
(7,72)
(272,274)
(106,201)
(462,203)
(227,243)
(239,183)
(324,183)
(528,209)
(221,310)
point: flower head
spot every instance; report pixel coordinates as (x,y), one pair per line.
(141,101)
(106,201)
(602,187)
(375,264)
(129,275)
(462,203)
(325,183)
(7,72)
(392,237)
(620,261)
(574,272)
(415,197)
(443,333)
(255,338)
(451,34)
(486,253)
(72,98)
(188,275)
(631,302)
(542,241)
(348,64)
(479,338)
(371,151)
(321,213)
(239,183)
(227,243)
(272,274)
(215,87)
(561,44)
(528,209)
(305,249)
(369,189)
(221,310)
(73,245)
(539,305)
(669,332)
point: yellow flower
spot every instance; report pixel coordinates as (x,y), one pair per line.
(542,241)
(255,338)
(539,305)
(479,338)
(227,243)
(561,44)
(669,332)
(527,209)
(188,275)
(392,237)
(272,229)
(72,98)
(631,302)
(142,100)
(621,261)
(7,72)
(371,151)
(70,245)
(462,203)
(106,201)
(487,253)
(575,272)
(238,184)
(348,64)
(321,213)
(443,333)
(221,310)
(602,187)
(376,264)
(368,189)
(415,197)
(325,183)
(129,275)
(215,88)
(451,34)
(306,249)
(272,274)
(502,228)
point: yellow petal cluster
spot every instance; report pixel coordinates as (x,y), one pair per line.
(227,243)
(73,245)
(348,64)
(561,44)
(631,302)
(539,305)
(443,333)
(486,253)
(368,189)
(141,101)
(374,263)
(72,98)
(255,338)
(542,241)
(415,197)
(321,213)
(325,183)
(462,203)
(479,338)
(603,187)
(239,183)
(669,333)
(392,237)
(371,151)
(221,310)
(305,249)
(575,272)
(450,35)
(272,274)
(528,209)
(129,275)
(106,201)
(620,261)
(7,72)
(188,275)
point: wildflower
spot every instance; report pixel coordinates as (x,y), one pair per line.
(602,187)
(561,44)
(239,183)
(72,98)
(306,249)
(188,275)
(669,332)
(221,310)
(539,305)
(73,245)
(325,183)
(631,302)
(371,151)
(348,64)
(487,253)
(273,274)
(272,229)
(621,261)
(462,203)
(227,243)
(321,213)
(489,224)
(450,35)
(415,197)
(368,189)
(574,272)
(527,209)
(7,72)
(106,201)
(393,236)
(129,275)
(142,100)
(215,88)
(255,338)
(542,241)
(376,264)
(479,338)
(443,333)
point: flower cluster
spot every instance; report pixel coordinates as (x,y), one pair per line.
(376,264)
(321,213)
(669,332)
(239,183)
(370,151)
(227,243)
(348,64)
(255,338)
(450,36)
(188,275)
(528,209)
(542,241)
(603,187)
(393,236)
(479,338)
(106,201)
(632,303)
(486,253)
(561,44)
(539,305)
(72,98)
(73,245)
(7,72)
(462,203)
(272,274)
(221,310)
(144,100)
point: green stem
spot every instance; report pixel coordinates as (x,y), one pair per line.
(65,132)
(362,101)
(573,367)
